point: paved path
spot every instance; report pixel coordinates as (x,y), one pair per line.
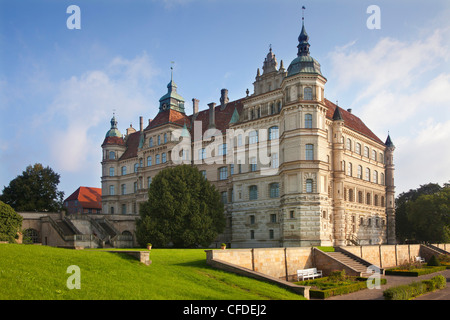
(392,281)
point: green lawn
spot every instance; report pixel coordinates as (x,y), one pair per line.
(40,272)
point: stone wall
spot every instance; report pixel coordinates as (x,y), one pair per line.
(280,263)
(386,256)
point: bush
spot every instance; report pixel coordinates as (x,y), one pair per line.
(10,222)
(433,262)
(413,272)
(406,292)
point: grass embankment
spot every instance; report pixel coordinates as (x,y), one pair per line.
(39,272)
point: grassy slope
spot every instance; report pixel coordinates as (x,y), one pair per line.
(39,272)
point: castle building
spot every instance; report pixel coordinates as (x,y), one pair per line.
(293,168)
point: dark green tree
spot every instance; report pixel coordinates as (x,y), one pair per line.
(10,222)
(183,210)
(429,217)
(404,228)
(35,190)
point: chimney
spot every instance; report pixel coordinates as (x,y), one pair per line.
(349,110)
(212,115)
(195,103)
(223,98)
(141,123)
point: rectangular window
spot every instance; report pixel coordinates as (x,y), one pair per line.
(253,166)
(149,161)
(111,190)
(253,137)
(309,185)
(123,189)
(308,121)
(309,152)
(149,181)
(223,173)
(274,190)
(124,209)
(273,218)
(252,219)
(124,170)
(274,163)
(223,149)
(271,234)
(157,159)
(203,172)
(163,156)
(253,192)
(252,234)
(224,197)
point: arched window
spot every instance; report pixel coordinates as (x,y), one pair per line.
(350,169)
(136,167)
(366,152)
(367,174)
(358,148)
(368,198)
(349,144)
(159,140)
(375,176)
(375,200)
(274,190)
(126,233)
(359,172)
(307,92)
(308,121)
(350,195)
(360,197)
(273,133)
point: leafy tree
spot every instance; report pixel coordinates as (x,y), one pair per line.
(429,216)
(404,228)
(183,210)
(34,190)
(10,222)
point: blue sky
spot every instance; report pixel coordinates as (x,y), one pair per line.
(59,87)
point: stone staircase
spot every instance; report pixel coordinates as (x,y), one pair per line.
(351,262)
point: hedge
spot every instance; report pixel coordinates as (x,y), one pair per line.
(414,272)
(406,292)
(323,294)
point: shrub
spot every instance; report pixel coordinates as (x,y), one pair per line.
(337,276)
(433,262)
(406,292)
(10,222)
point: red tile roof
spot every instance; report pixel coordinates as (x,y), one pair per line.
(222,121)
(169,116)
(222,117)
(351,121)
(113,140)
(132,144)
(88,197)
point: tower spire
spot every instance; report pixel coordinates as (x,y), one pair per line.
(303,45)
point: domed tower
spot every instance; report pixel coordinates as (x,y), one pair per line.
(113,147)
(390,190)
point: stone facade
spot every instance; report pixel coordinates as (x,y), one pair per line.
(293,168)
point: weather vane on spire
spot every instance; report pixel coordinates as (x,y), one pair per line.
(303,13)
(171,70)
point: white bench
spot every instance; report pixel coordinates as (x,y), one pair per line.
(420,259)
(308,273)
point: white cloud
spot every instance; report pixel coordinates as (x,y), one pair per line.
(79,115)
(403,87)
